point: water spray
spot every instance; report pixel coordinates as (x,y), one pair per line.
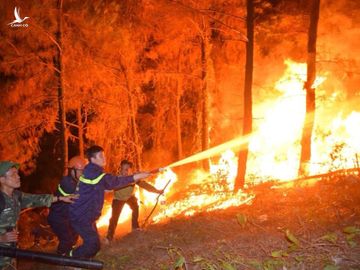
(237,144)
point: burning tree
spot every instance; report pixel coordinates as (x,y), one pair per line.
(247,121)
(310,90)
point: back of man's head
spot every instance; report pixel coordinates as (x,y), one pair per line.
(92,151)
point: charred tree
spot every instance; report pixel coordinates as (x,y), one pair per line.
(247,120)
(60,88)
(305,155)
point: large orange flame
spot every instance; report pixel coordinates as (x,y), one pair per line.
(274,150)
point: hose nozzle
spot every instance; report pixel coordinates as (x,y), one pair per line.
(158,170)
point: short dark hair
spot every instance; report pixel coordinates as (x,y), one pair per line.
(126,162)
(92,151)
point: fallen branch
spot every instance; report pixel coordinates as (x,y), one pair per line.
(317,176)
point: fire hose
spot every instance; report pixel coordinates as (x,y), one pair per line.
(12,252)
(157,198)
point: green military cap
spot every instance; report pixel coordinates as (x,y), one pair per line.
(7,165)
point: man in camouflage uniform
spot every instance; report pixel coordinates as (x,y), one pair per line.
(12,202)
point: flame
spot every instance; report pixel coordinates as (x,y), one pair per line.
(340,148)
(147,201)
(274,150)
(105,218)
(275,145)
(215,191)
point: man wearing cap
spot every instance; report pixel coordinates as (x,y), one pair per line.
(13,201)
(59,212)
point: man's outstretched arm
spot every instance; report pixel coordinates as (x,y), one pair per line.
(149,187)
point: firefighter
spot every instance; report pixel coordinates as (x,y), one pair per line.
(126,195)
(59,212)
(87,209)
(12,201)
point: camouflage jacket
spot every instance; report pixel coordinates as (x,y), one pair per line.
(11,212)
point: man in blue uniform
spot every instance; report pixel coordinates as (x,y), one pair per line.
(87,209)
(58,218)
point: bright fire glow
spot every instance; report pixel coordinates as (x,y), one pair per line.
(105,218)
(275,147)
(274,150)
(148,199)
(213,192)
(275,144)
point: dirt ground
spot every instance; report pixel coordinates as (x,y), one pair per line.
(299,227)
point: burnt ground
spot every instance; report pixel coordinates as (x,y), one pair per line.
(298,227)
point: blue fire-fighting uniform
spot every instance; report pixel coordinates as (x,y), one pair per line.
(59,219)
(87,209)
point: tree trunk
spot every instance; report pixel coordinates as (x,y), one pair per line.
(135,133)
(204,102)
(178,119)
(310,91)
(59,73)
(179,85)
(80,131)
(247,121)
(133,124)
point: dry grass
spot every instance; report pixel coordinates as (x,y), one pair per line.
(315,227)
